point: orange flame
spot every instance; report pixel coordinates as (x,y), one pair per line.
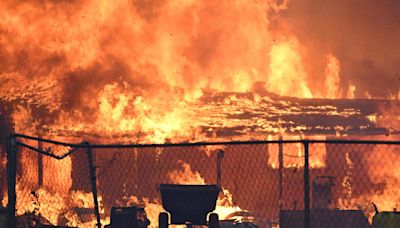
(131,67)
(332,73)
(287,75)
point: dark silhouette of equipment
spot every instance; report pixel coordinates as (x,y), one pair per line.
(385,219)
(322,192)
(128,217)
(189,204)
(321,215)
(326,218)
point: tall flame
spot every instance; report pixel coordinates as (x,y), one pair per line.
(287,75)
(332,73)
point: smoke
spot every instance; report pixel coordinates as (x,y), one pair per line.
(363,35)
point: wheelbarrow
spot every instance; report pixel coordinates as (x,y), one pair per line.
(189,205)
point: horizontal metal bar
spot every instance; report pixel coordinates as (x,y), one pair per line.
(116,146)
(328,141)
(110,146)
(45,152)
(189,144)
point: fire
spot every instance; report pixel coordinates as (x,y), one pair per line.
(351,91)
(293,154)
(381,171)
(332,73)
(61,181)
(225,203)
(287,75)
(126,67)
(347,201)
(122,111)
(152,208)
(54,208)
(373,118)
(185,176)
(143,71)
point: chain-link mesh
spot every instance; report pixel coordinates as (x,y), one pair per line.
(355,177)
(133,176)
(267,180)
(53,191)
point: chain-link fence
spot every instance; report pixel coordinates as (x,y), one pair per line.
(299,183)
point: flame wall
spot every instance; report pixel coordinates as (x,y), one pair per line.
(127,65)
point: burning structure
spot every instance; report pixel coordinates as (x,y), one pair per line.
(186,70)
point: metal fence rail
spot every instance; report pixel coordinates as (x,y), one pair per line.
(290,183)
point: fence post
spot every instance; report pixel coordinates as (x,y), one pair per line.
(280,156)
(307,222)
(11,180)
(93,182)
(40,162)
(220,155)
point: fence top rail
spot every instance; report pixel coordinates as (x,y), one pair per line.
(110,146)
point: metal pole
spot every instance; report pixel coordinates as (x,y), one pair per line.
(11,180)
(280,173)
(94,184)
(220,155)
(40,163)
(307,221)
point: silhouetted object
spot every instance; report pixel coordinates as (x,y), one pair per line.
(220,156)
(375,207)
(324,218)
(385,219)
(322,192)
(3,217)
(128,217)
(189,204)
(5,129)
(163,220)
